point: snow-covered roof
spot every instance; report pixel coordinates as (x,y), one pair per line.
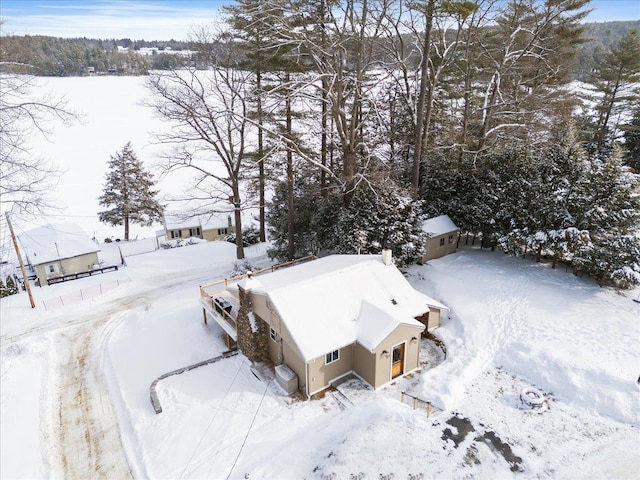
(438,225)
(49,243)
(376,322)
(329,303)
(175,221)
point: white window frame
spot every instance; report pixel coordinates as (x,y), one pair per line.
(332,357)
(442,242)
(273,334)
(223,231)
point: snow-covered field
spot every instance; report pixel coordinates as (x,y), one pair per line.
(75,376)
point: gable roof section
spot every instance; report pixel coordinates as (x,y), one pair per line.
(49,243)
(321,302)
(376,322)
(438,225)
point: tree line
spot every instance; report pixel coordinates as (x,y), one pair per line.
(53,56)
(345,123)
(363,116)
(61,57)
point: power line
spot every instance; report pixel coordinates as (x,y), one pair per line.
(266,387)
(211,422)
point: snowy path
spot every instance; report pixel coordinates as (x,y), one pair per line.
(85,428)
(83,421)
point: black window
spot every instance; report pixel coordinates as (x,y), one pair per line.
(332,357)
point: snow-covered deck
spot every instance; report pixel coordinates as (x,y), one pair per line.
(226,317)
(223,308)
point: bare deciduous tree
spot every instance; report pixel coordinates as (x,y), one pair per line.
(207,111)
(25,112)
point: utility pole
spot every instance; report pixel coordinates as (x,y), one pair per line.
(24,273)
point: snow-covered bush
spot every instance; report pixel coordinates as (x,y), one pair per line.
(181,242)
(250,236)
(241,268)
(10,286)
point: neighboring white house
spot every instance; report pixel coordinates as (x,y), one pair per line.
(327,318)
(442,238)
(56,250)
(205,227)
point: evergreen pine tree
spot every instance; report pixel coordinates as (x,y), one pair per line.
(128,190)
(612,220)
(632,141)
(616,83)
(382,216)
(314,220)
(3,290)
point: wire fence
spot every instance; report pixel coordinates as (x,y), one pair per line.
(82,294)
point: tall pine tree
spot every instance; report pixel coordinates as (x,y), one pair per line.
(615,84)
(129,192)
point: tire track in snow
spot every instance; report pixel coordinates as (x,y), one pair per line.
(85,428)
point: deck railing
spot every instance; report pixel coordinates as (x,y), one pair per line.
(207,293)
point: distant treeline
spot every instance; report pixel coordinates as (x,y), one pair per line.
(52,56)
(599,37)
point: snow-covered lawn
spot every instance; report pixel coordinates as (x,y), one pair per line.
(513,324)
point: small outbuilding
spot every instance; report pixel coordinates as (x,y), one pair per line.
(57,250)
(442,238)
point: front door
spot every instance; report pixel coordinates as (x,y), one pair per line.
(397,364)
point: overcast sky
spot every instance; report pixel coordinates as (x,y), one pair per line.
(166,19)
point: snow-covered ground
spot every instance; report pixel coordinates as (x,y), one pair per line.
(76,375)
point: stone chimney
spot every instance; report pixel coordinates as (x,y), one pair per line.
(252,331)
(387,257)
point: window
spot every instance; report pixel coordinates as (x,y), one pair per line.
(450,238)
(273,334)
(194,232)
(442,242)
(176,233)
(222,231)
(332,357)
(52,268)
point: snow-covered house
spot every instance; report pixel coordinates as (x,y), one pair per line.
(212,228)
(442,238)
(321,320)
(58,249)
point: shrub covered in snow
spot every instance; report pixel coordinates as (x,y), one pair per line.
(250,236)
(181,242)
(241,268)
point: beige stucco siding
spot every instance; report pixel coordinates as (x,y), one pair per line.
(321,373)
(275,349)
(264,310)
(216,233)
(364,364)
(433,249)
(295,363)
(81,263)
(434,318)
(401,334)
